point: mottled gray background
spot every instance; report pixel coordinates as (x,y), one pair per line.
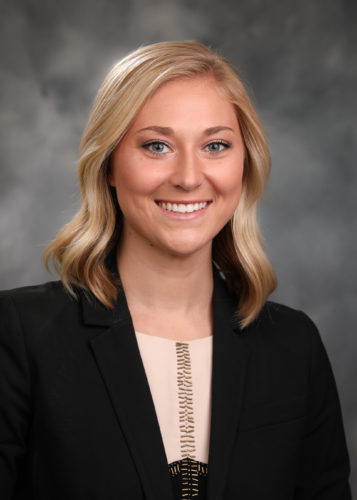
(299,60)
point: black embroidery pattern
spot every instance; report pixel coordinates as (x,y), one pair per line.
(189,479)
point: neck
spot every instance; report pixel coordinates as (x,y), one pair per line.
(157,281)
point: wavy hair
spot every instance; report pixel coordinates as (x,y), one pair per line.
(80,249)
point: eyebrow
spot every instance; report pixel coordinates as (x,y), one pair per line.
(215,130)
(169,131)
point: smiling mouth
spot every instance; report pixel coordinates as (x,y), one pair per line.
(183,208)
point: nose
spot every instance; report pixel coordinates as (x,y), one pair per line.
(188,172)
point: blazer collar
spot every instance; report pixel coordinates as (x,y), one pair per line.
(118,358)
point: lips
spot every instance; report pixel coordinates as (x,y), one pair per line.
(183,208)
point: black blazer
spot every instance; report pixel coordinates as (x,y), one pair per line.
(77,421)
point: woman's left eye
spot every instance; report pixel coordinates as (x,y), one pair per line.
(157,147)
(217,146)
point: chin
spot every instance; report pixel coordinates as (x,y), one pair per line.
(187,248)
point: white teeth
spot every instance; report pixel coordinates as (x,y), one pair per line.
(182,208)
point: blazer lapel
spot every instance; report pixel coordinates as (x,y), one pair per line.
(118,358)
(119,361)
(230,360)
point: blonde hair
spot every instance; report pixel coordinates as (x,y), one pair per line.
(80,249)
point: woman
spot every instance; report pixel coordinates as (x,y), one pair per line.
(156,368)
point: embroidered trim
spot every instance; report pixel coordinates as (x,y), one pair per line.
(190,472)
(175,467)
(188,466)
(184,383)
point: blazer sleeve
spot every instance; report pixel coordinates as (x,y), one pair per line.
(324,464)
(14,399)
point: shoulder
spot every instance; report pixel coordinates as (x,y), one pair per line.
(36,296)
(31,303)
(274,323)
(277,316)
(282,328)
(280,315)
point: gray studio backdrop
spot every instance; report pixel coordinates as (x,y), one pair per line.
(299,60)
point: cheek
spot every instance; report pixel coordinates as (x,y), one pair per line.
(229,181)
(138,178)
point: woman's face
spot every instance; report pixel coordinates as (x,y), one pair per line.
(178,170)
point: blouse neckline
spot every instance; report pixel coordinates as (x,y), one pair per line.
(147,335)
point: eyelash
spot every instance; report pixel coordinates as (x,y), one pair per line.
(147,145)
(226,145)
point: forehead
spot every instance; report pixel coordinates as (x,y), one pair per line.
(199,98)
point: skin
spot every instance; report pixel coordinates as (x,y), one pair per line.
(185,146)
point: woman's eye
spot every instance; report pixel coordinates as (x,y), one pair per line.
(157,147)
(217,146)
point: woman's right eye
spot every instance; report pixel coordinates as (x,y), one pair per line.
(156,147)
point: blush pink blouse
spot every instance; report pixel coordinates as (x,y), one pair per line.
(179,374)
